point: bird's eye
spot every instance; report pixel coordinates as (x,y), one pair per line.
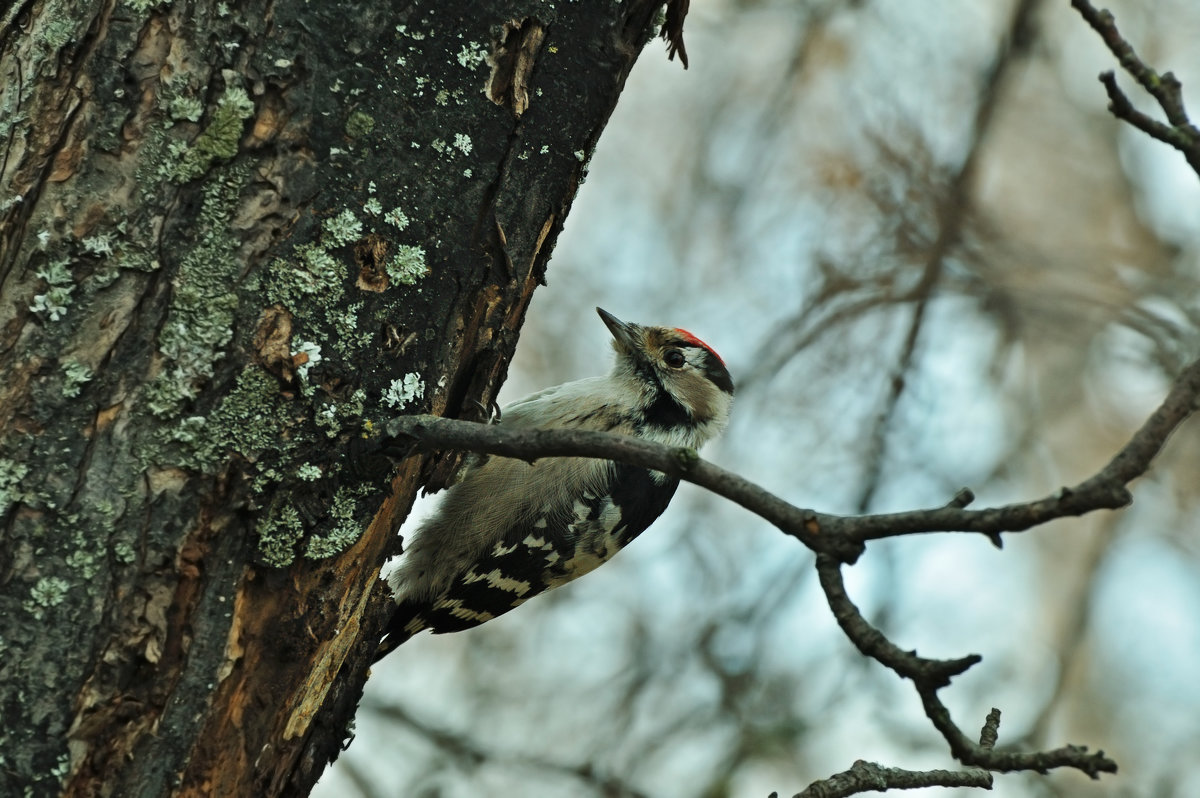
(674,358)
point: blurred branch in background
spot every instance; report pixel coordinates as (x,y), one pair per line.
(468,752)
(953,213)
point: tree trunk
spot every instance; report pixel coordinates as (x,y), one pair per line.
(233,239)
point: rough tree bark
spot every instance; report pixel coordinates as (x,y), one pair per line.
(231,235)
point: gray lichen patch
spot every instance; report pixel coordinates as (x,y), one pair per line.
(200,321)
(345,530)
(408,265)
(404,391)
(250,420)
(279,530)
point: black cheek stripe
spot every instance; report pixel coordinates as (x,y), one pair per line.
(714,369)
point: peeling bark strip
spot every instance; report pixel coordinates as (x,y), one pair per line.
(228,241)
(672,29)
(512,64)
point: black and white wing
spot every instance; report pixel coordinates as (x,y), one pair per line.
(540,553)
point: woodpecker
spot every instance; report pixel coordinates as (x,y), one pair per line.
(510,530)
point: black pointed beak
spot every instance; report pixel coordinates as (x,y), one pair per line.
(625,333)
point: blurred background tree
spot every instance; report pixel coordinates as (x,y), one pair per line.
(931,258)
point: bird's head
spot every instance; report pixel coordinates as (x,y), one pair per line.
(681,381)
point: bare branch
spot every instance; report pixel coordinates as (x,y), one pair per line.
(872,643)
(930,675)
(870,777)
(1166,89)
(840,536)
(432,433)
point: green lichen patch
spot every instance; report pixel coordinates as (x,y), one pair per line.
(219,140)
(333,417)
(124,553)
(58,31)
(311,274)
(472,55)
(282,530)
(278,534)
(309,472)
(75,376)
(84,561)
(250,420)
(184,108)
(11,474)
(100,244)
(396,218)
(50,591)
(53,303)
(349,339)
(342,229)
(359,124)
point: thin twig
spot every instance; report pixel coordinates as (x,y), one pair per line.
(1166,89)
(870,777)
